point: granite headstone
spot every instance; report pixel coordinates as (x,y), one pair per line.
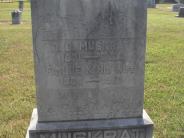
(89,64)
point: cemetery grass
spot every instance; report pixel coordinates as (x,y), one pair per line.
(7,8)
(17,91)
(164,75)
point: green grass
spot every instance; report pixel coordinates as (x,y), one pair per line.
(164,82)
(164,76)
(7,8)
(17,90)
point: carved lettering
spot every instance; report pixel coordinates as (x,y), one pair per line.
(97,134)
(120,133)
(79,135)
(125,134)
(110,134)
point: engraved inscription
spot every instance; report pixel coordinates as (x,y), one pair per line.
(86,52)
(81,62)
(119,133)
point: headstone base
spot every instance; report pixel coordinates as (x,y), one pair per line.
(111,128)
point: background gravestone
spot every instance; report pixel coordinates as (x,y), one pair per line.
(181,12)
(89,64)
(16,16)
(21,5)
(151,3)
(176,7)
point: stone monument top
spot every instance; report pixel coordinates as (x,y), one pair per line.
(89,63)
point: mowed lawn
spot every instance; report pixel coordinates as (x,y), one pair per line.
(164,76)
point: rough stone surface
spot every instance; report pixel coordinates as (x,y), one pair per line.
(118,128)
(89,58)
(181,12)
(176,7)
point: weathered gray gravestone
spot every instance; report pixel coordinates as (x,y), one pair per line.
(89,64)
